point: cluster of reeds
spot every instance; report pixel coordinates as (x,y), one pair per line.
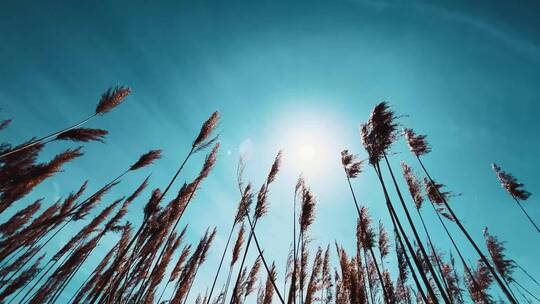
(152,263)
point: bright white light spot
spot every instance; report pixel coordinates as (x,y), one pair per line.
(307,153)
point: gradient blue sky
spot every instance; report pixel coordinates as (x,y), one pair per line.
(284,75)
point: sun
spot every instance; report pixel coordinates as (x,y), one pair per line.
(306,152)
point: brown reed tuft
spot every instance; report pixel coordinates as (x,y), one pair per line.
(511,184)
(379,132)
(479,285)
(19,219)
(262,205)
(383,242)
(111,99)
(20,185)
(307,213)
(417,143)
(352,166)
(252,277)
(314,284)
(414,185)
(206,131)
(269,288)
(238,245)
(146,159)
(244,205)
(504,266)
(180,263)
(83,135)
(21,280)
(364,232)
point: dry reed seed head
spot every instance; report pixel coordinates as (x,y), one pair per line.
(479,285)
(496,250)
(269,288)
(435,193)
(209,162)
(414,185)
(383,242)
(146,159)
(352,166)
(21,280)
(364,233)
(238,245)
(207,243)
(379,132)
(417,143)
(252,277)
(112,98)
(83,135)
(511,184)
(244,206)
(84,208)
(19,219)
(275,168)
(307,215)
(261,207)
(153,203)
(206,130)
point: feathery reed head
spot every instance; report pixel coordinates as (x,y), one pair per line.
(415,188)
(352,166)
(238,245)
(417,143)
(112,98)
(245,204)
(252,277)
(479,284)
(511,184)
(379,132)
(307,213)
(269,288)
(275,168)
(496,250)
(206,130)
(435,193)
(364,232)
(383,242)
(146,159)
(83,135)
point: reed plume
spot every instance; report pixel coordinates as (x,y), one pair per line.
(83,135)
(208,127)
(238,245)
(252,277)
(478,289)
(417,143)
(21,280)
(453,217)
(383,242)
(20,185)
(314,283)
(109,100)
(515,189)
(352,166)
(504,266)
(269,289)
(146,159)
(19,219)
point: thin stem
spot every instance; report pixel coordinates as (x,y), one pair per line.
(427,259)
(469,238)
(409,247)
(526,214)
(220,263)
(37,141)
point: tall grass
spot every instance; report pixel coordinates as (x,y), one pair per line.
(154,262)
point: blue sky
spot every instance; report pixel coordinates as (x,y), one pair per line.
(284,75)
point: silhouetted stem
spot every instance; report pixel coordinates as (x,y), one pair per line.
(469,238)
(409,247)
(37,141)
(427,259)
(526,214)
(221,263)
